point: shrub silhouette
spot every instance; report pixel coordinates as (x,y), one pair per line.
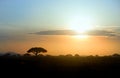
(26,54)
(116,55)
(77,55)
(36,50)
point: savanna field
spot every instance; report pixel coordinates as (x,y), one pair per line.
(61,66)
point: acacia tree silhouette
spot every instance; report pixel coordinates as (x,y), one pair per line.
(36,50)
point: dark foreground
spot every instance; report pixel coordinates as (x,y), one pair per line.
(60,66)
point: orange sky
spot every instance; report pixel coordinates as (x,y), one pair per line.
(62,45)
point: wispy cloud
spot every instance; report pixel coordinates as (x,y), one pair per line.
(101,33)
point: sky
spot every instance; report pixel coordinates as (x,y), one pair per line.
(50,23)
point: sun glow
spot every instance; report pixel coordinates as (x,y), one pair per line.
(81,36)
(83,28)
(82,25)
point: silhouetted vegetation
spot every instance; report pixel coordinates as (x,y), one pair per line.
(37,50)
(60,66)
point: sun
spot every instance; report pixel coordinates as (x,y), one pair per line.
(81,26)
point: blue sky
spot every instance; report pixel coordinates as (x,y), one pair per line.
(55,13)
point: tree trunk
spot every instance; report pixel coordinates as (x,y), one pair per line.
(36,54)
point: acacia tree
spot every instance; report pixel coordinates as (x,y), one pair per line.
(37,50)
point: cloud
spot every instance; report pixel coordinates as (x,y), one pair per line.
(56,32)
(71,32)
(4,37)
